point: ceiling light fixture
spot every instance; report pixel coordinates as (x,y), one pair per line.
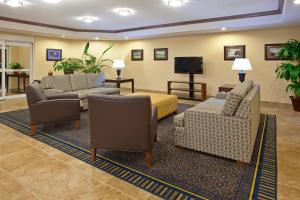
(52,1)
(88,19)
(223,29)
(296,1)
(124,11)
(96,38)
(14,3)
(176,3)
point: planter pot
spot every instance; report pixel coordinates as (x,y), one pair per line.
(68,72)
(50,73)
(296,103)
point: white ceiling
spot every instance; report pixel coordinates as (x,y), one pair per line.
(148,13)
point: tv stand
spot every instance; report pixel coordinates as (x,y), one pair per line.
(191,89)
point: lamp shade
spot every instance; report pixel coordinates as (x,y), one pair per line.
(118,64)
(241,64)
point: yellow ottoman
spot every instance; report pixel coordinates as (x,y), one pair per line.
(166,104)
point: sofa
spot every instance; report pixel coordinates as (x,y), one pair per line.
(81,84)
(225,126)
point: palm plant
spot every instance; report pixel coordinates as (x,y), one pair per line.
(92,64)
(290,70)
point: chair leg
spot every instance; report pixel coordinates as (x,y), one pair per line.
(148,156)
(93,154)
(155,138)
(33,129)
(77,124)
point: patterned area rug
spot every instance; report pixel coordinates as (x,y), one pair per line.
(176,173)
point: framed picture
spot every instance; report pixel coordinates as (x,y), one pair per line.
(161,54)
(233,52)
(54,54)
(272,51)
(137,55)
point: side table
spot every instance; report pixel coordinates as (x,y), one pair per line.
(226,87)
(119,81)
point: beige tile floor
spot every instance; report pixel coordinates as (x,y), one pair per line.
(30,169)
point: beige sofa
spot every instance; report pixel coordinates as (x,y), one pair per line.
(81,84)
(225,126)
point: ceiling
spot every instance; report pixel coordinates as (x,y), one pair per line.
(150,19)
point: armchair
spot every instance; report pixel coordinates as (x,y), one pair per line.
(122,123)
(45,108)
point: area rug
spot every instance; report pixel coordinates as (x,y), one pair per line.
(176,173)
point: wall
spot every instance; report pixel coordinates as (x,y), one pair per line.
(153,75)
(70,48)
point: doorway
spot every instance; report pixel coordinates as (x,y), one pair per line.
(15,68)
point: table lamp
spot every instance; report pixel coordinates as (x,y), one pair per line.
(242,64)
(119,65)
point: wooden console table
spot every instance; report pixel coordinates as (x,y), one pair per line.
(119,81)
(191,89)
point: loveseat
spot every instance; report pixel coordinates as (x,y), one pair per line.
(225,126)
(81,84)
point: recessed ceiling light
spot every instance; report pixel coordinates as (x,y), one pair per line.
(124,11)
(296,1)
(126,38)
(176,3)
(96,38)
(51,1)
(223,29)
(14,3)
(63,36)
(88,19)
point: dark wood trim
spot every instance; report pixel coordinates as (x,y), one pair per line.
(161,49)
(279,10)
(142,58)
(271,45)
(235,46)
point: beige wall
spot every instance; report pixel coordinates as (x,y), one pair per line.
(153,75)
(70,48)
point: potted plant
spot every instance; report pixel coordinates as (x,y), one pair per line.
(290,70)
(92,64)
(68,65)
(50,73)
(15,66)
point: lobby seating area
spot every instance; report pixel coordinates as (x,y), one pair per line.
(150,100)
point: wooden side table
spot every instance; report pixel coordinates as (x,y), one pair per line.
(226,87)
(119,81)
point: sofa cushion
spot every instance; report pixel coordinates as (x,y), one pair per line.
(79,81)
(82,94)
(235,96)
(95,80)
(58,82)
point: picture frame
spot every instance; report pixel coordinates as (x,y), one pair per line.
(137,54)
(272,50)
(233,52)
(161,54)
(53,54)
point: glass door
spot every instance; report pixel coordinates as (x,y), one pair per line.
(18,68)
(2,64)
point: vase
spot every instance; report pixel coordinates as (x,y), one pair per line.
(296,102)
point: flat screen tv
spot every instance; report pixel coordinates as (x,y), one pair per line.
(189,65)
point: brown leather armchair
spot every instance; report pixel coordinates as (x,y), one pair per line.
(122,123)
(56,107)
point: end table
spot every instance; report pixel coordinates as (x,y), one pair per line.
(121,80)
(226,87)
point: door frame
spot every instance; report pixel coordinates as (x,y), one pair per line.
(30,70)
(2,67)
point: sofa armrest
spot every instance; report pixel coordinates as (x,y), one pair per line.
(109,85)
(221,95)
(55,111)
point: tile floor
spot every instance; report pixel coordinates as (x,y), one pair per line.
(32,170)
